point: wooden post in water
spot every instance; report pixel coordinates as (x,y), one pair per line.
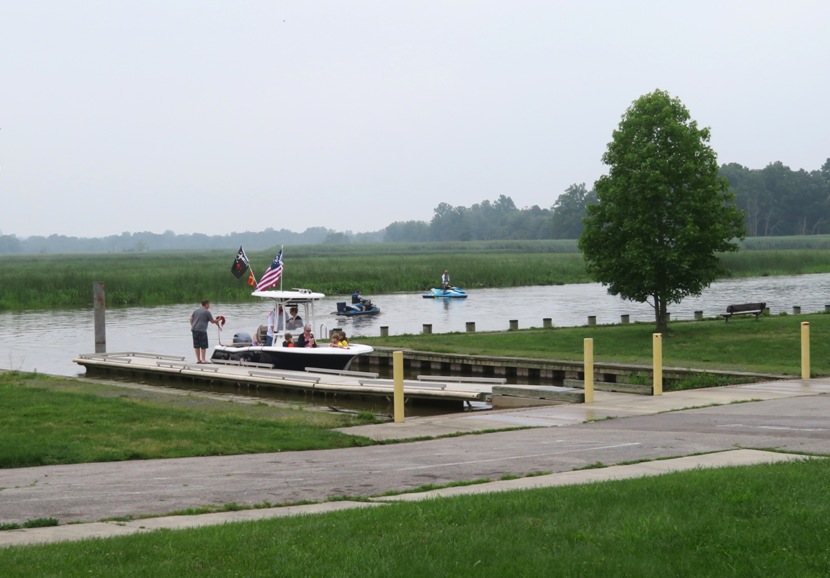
(592,320)
(514,324)
(547,322)
(99,308)
(427,328)
(796,310)
(471,327)
(384,331)
(698,315)
(625,319)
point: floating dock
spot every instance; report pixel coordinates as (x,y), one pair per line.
(447,390)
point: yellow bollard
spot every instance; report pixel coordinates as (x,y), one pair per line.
(657,388)
(589,370)
(805,350)
(397,377)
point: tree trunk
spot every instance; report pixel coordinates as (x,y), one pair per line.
(660,314)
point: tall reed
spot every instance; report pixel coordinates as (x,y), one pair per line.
(65,281)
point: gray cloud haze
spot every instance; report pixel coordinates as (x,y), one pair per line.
(213,117)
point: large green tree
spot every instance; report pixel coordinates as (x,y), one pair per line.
(662,213)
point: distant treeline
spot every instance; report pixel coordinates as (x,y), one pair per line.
(169,241)
(776,201)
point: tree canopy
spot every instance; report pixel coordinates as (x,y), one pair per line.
(662,213)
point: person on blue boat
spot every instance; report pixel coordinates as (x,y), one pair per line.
(359,301)
(445,281)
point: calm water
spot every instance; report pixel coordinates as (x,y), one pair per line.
(47,342)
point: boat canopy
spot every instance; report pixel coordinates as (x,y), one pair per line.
(293,296)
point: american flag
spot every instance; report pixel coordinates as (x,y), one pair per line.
(272,275)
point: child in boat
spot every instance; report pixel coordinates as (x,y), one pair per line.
(288,341)
(342,341)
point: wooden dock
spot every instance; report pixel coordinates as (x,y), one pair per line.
(327,383)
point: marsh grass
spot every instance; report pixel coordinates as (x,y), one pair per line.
(765,520)
(48,420)
(147,279)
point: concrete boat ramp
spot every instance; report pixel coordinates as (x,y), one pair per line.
(325,382)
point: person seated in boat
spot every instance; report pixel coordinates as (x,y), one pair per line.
(356,297)
(289,340)
(294,319)
(341,339)
(445,281)
(306,339)
(335,339)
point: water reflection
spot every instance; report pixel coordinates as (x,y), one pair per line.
(48,341)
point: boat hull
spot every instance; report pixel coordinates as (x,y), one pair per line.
(356,313)
(451,293)
(292,358)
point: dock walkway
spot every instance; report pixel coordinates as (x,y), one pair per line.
(450,390)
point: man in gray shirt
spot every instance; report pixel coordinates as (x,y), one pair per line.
(198,327)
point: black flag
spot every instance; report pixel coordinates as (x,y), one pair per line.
(240,264)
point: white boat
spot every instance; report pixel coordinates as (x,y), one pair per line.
(324,355)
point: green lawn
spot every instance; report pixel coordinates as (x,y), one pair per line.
(771,344)
(50,420)
(765,520)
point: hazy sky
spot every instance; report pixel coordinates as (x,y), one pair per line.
(201,116)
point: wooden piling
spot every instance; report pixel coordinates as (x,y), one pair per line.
(99,308)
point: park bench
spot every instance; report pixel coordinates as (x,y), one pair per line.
(744,309)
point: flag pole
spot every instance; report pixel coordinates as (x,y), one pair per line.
(283,260)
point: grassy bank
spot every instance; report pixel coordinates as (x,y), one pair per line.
(767,520)
(65,281)
(772,344)
(49,420)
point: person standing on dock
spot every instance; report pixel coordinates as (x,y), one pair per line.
(199,320)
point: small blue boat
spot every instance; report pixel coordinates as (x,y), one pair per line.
(449,292)
(353,309)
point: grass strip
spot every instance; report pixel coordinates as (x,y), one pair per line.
(48,420)
(764,520)
(770,344)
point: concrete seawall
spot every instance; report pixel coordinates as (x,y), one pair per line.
(528,370)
